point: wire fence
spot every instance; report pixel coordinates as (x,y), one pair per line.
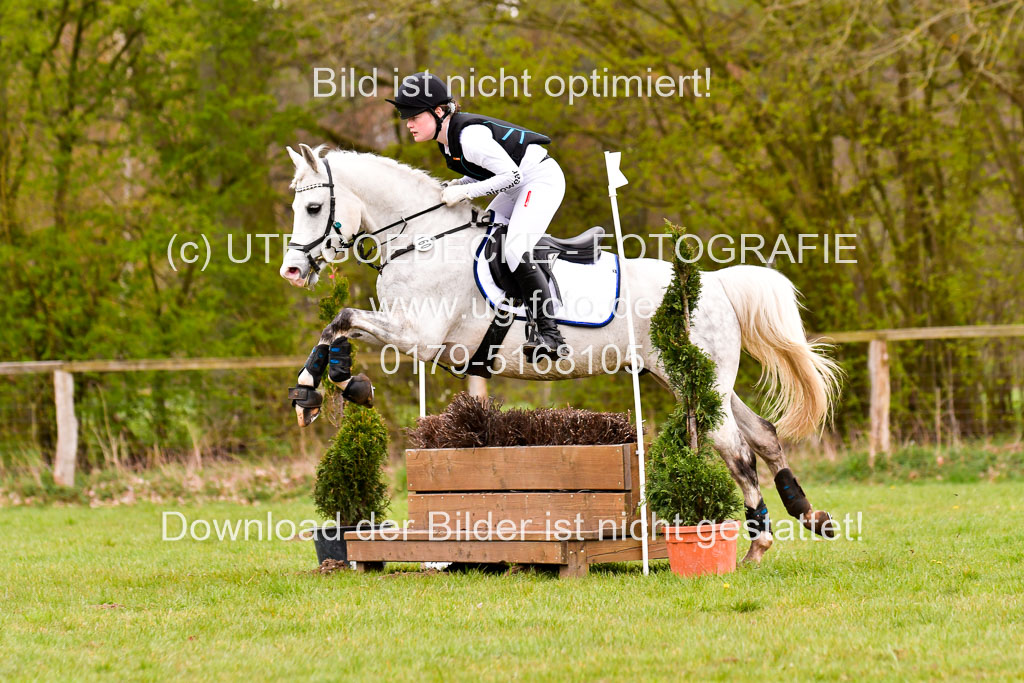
(943,392)
(139,418)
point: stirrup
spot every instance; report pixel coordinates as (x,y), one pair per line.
(544,350)
(536,346)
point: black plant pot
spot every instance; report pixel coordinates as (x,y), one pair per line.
(330,541)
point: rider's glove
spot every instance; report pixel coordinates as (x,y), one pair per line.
(453,194)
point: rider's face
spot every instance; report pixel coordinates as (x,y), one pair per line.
(422,126)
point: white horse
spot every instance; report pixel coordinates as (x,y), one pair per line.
(434,313)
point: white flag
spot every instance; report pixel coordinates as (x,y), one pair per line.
(615,177)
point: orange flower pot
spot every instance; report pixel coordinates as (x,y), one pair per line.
(702,549)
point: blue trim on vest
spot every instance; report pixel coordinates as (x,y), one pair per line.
(522,131)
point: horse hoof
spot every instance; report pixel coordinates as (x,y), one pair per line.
(821,523)
(359,390)
(758,547)
(306,416)
(307,401)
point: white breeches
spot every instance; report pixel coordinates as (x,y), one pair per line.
(528,209)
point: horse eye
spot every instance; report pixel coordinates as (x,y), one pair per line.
(313,209)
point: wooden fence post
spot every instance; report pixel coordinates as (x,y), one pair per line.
(67,428)
(878,370)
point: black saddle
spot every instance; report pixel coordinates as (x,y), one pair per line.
(584,248)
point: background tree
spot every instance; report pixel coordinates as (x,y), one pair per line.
(123,123)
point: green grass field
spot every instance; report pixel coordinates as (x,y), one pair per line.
(932,589)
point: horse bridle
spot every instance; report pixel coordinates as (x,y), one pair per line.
(317,262)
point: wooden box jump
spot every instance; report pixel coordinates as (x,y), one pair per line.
(570,506)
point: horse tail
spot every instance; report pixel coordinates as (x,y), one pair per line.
(802,382)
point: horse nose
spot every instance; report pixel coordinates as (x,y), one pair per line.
(292,274)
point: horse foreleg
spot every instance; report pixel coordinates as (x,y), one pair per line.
(423,340)
(375,327)
(381,329)
(306,400)
(331,354)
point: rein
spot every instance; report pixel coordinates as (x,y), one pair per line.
(425,242)
(422,243)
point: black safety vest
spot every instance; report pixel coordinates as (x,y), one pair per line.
(512,138)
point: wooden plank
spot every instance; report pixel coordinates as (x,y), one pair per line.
(522,468)
(955,332)
(249,362)
(573,556)
(30,367)
(910,333)
(623,550)
(483,534)
(533,510)
(843,337)
(878,371)
(149,364)
(152,364)
(633,469)
(530,552)
(67,428)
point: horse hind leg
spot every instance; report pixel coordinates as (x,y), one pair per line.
(734,450)
(739,458)
(761,435)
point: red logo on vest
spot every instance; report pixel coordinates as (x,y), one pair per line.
(527,202)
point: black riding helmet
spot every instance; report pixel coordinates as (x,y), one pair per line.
(421,92)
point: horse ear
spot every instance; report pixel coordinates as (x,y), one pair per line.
(296,158)
(309,156)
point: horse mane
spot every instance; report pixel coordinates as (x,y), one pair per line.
(418,175)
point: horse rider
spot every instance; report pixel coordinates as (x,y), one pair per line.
(496,157)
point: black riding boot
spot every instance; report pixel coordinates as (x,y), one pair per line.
(543,337)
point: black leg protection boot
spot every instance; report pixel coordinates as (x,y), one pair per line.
(543,337)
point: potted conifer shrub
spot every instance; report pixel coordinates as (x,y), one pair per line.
(350,486)
(688,485)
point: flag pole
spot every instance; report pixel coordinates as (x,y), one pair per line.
(421,367)
(616,180)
